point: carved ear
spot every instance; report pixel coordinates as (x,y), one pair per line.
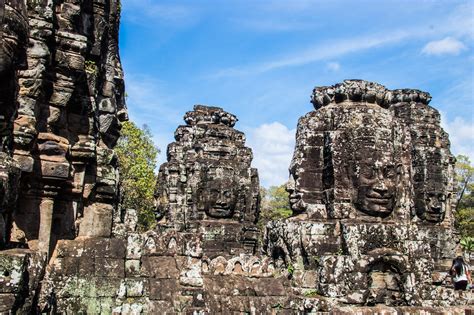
(351,171)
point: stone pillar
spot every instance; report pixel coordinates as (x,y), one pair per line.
(97,221)
(46,219)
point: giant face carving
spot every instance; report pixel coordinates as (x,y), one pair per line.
(431,186)
(431,206)
(218,197)
(385,285)
(295,196)
(375,179)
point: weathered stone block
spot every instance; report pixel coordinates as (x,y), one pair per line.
(228,285)
(269,287)
(69,248)
(69,266)
(109,267)
(13,265)
(97,221)
(136,287)
(163,289)
(135,243)
(87,265)
(160,307)
(96,246)
(7,301)
(132,267)
(107,286)
(160,267)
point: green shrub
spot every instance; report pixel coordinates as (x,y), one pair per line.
(137,162)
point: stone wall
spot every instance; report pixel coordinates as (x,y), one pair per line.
(173,272)
(165,272)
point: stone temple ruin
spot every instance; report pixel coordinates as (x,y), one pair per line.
(68,107)
(371,189)
(207,182)
(372,192)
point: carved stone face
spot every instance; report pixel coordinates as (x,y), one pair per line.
(384,286)
(431,206)
(295,196)
(431,186)
(375,182)
(218,198)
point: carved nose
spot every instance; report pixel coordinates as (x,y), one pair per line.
(290,185)
(436,204)
(221,200)
(380,188)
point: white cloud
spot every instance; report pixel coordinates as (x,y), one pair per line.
(445,46)
(273,145)
(461,135)
(333,66)
(460,22)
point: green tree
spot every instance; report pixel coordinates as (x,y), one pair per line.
(137,156)
(465,196)
(275,204)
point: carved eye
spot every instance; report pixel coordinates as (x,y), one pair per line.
(442,197)
(227,193)
(368,172)
(390,171)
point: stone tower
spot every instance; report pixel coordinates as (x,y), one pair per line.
(13,44)
(371,191)
(71,102)
(208,182)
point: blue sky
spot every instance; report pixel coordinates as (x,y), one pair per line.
(261,59)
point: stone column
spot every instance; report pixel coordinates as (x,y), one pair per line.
(46,220)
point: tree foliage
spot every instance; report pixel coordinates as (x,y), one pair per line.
(137,156)
(275,204)
(465,196)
